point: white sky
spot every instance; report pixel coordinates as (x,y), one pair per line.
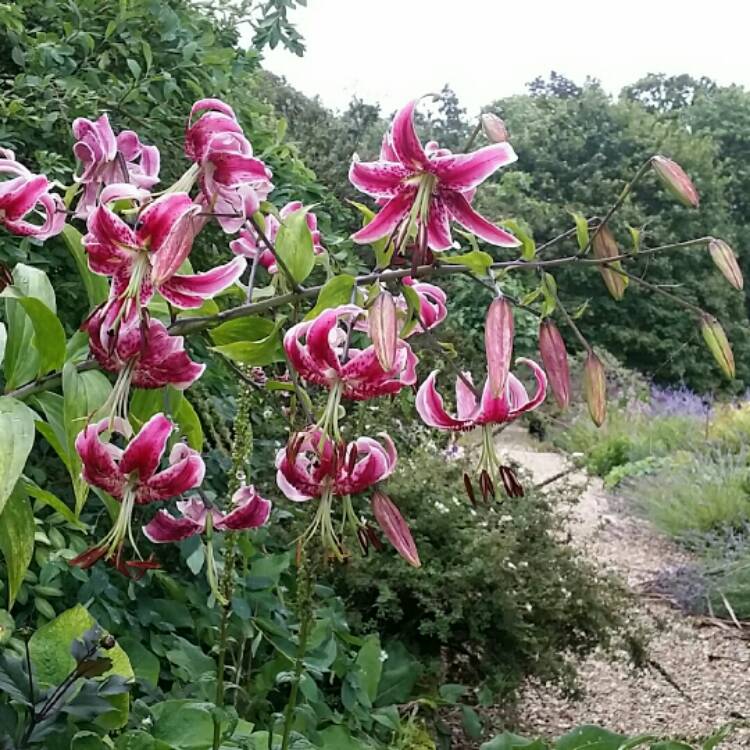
(393,50)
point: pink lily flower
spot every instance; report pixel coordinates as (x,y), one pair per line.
(314,466)
(249,511)
(140,347)
(146,258)
(233,181)
(425,187)
(503,399)
(130,475)
(249,245)
(107,159)
(361,377)
(22,192)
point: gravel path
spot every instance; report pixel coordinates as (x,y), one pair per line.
(708,663)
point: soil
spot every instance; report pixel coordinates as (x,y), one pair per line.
(699,678)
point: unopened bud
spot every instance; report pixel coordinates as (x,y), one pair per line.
(395,528)
(725,260)
(498,344)
(718,344)
(604,246)
(595,388)
(384,329)
(494,128)
(675,180)
(555,360)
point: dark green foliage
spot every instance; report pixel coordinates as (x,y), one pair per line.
(484,607)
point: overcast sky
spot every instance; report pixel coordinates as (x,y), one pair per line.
(392,50)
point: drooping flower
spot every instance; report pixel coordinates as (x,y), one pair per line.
(425,187)
(316,347)
(147,258)
(131,475)
(249,511)
(249,245)
(233,182)
(107,159)
(314,466)
(487,409)
(140,350)
(23,193)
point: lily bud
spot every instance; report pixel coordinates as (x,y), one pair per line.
(494,128)
(675,180)
(605,246)
(595,388)
(718,344)
(555,360)
(498,344)
(384,329)
(725,260)
(395,528)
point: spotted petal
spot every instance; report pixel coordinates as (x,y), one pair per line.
(467,217)
(250,511)
(164,528)
(404,138)
(463,172)
(187,292)
(389,217)
(380,179)
(145,450)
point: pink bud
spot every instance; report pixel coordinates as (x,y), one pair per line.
(725,260)
(718,344)
(395,528)
(384,329)
(604,246)
(494,128)
(555,359)
(675,180)
(498,343)
(595,388)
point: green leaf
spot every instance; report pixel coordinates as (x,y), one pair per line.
(522,232)
(451,692)
(252,341)
(582,230)
(84,393)
(49,334)
(134,68)
(145,664)
(635,236)
(22,360)
(16,441)
(50,654)
(400,673)
(589,737)
(294,245)
(549,291)
(88,741)
(53,501)
(718,737)
(370,665)
(183,724)
(336,291)
(338,738)
(471,722)
(477,261)
(508,741)
(3,341)
(96,286)
(16,539)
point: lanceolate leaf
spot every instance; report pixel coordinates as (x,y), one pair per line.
(294,245)
(16,539)
(336,291)
(477,261)
(96,286)
(582,230)
(251,341)
(16,441)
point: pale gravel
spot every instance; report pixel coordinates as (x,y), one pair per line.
(708,663)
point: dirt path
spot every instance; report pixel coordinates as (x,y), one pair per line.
(710,665)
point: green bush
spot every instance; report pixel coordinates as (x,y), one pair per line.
(484,608)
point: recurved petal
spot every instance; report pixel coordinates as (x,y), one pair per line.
(522,403)
(99,465)
(145,450)
(191,291)
(164,528)
(389,217)
(438,226)
(404,138)
(185,472)
(250,511)
(380,179)
(467,217)
(431,408)
(463,172)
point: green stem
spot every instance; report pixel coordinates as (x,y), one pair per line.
(304,603)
